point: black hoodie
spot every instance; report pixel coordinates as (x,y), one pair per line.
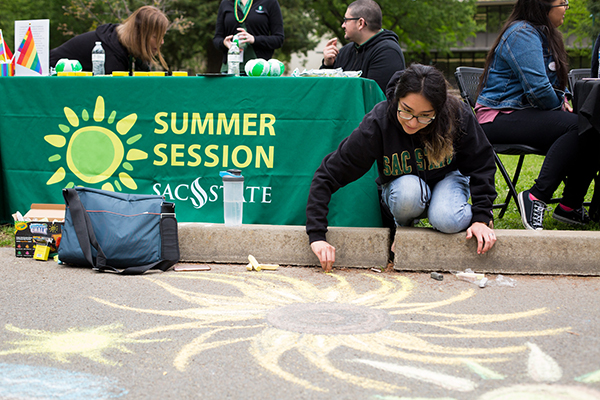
(378,58)
(80,48)
(380,138)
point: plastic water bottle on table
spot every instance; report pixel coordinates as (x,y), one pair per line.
(233,60)
(98,58)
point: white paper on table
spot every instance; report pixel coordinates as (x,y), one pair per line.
(40,28)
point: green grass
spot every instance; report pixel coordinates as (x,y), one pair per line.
(7,235)
(510,220)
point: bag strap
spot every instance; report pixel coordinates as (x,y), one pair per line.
(84,229)
(87,239)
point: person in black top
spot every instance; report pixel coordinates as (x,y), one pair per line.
(594,72)
(132,45)
(258,23)
(431,156)
(373,50)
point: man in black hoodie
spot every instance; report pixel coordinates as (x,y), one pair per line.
(372,50)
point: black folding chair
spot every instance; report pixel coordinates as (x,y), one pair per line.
(576,75)
(468,83)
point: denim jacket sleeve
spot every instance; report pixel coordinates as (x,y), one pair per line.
(523,50)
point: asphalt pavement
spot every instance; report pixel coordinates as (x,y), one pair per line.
(294,333)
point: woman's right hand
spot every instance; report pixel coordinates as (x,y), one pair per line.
(325,252)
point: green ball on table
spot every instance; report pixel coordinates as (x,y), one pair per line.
(276,67)
(66,65)
(257,67)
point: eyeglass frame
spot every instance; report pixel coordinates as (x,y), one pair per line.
(350,19)
(566,5)
(429,119)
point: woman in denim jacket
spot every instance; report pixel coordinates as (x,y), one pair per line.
(522,100)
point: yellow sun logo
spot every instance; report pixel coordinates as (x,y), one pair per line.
(94,153)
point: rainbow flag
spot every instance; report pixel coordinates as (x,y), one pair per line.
(5,54)
(28,55)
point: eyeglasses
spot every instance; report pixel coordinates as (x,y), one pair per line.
(405,115)
(565,5)
(351,19)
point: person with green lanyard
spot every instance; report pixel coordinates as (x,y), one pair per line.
(258,24)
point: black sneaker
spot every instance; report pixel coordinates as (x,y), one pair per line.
(532,211)
(573,217)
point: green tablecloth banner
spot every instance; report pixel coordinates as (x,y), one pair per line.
(173,135)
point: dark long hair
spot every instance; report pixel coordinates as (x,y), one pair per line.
(536,13)
(438,136)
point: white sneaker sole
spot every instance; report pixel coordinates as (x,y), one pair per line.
(566,220)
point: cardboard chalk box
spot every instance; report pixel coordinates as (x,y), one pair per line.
(43,223)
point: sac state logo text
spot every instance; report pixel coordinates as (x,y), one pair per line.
(198,196)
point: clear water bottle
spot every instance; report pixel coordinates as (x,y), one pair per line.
(233,196)
(233,60)
(98,57)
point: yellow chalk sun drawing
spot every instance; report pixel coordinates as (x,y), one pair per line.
(276,314)
(93,152)
(89,343)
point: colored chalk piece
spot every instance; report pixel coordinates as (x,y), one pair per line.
(269,267)
(253,262)
(120,73)
(156,73)
(83,73)
(140,73)
(180,73)
(437,276)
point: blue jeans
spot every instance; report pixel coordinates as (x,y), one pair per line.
(445,205)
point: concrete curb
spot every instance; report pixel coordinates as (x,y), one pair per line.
(280,244)
(515,252)
(417,249)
